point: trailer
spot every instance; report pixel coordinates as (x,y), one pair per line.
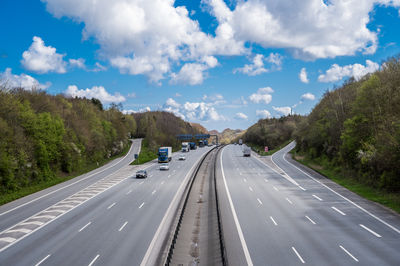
(164,154)
(192,145)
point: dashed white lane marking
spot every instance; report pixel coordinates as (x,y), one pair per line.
(370,230)
(272,219)
(162,183)
(21,230)
(298,255)
(318,198)
(45,258)
(122,227)
(8,239)
(244,179)
(150,175)
(251,189)
(339,211)
(93,261)
(288,200)
(141,182)
(169,176)
(109,207)
(83,228)
(240,174)
(302,188)
(276,188)
(127,193)
(266,180)
(259,201)
(141,205)
(154,191)
(310,220)
(348,253)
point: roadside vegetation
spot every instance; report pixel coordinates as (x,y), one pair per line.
(48,139)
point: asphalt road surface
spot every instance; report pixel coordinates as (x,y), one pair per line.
(276,212)
(106,217)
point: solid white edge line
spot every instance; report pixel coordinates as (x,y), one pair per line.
(52,192)
(310,220)
(348,253)
(235,218)
(348,200)
(339,211)
(122,227)
(45,258)
(80,230)
(318,198)
(93,261)
(302,188)
(272,219)
(298,255)
(370,230)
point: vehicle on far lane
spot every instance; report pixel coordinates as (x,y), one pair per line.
(141,174)
(246,151)
(182,157)
(164,166)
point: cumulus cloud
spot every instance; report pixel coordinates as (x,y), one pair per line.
(283,110)
(98,67)
(240,116)
(98,92)
(41,59)
(193,111)
(257,66)
(8,80)
(336,72)
(131,111)
(263,114)
(308,96)
(78,63)
(263,95)
(303,75)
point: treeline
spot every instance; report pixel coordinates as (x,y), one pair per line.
(43,136)
(355,129)
(160,128)
(272,132)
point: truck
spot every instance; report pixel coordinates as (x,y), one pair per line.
(164,154)
(240,141)
(192,145)
(201,143)
(246,151)
(185,147)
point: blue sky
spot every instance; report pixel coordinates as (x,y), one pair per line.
(219,63)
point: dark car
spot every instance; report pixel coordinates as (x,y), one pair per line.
(141,174)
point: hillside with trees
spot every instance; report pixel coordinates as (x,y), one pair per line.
(45,137)
(355,129)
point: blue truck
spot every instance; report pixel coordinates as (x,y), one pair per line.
(192,145)
(164,154)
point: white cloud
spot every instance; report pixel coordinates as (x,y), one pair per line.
(178,95)
(283,110)
(131,95)
(10,81)
(308,96)
(43,59)
(257,66)
(215,98)
(336,72)
(263,95)
(263,113)
(79,63)
(171,102)
(131,111)
(193,111)
(99,67)
(98,92)
(240,116)
(303,75)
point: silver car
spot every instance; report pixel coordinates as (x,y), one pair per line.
(164,166)
(182,157)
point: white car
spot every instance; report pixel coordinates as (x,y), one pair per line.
(182,157)
(164,166)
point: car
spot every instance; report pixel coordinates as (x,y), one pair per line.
(182,157)
(141,174)
(164,166)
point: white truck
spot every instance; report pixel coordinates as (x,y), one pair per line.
(185,147)
(246,151)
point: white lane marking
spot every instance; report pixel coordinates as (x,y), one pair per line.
(276,188)
(26,203)
(21,230)
(109,207)
(302,188)
(240,173)
(162,183)
(8,239)
(95,258)
(44,216)
(272,219)
(80,230)
(298,255)
(244,179)
(259,201)
(318,198)
(40,262)
(127,193)
(150,175)
(266,180)
(348,253)
(288,200)
(154,191)
(339,211)
(141,182)
(343,197)
(33,222)
(371,231)
(310,220)
(235,218)
(122,227)
(169,176)
(251,189)
(141,205)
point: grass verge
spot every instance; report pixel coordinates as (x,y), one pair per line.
(390,200)
(146,154)
(10,196)
(260,149)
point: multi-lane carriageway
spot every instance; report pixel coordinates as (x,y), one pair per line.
(273,212)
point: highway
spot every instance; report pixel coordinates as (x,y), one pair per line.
(276,212)
(109,218)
